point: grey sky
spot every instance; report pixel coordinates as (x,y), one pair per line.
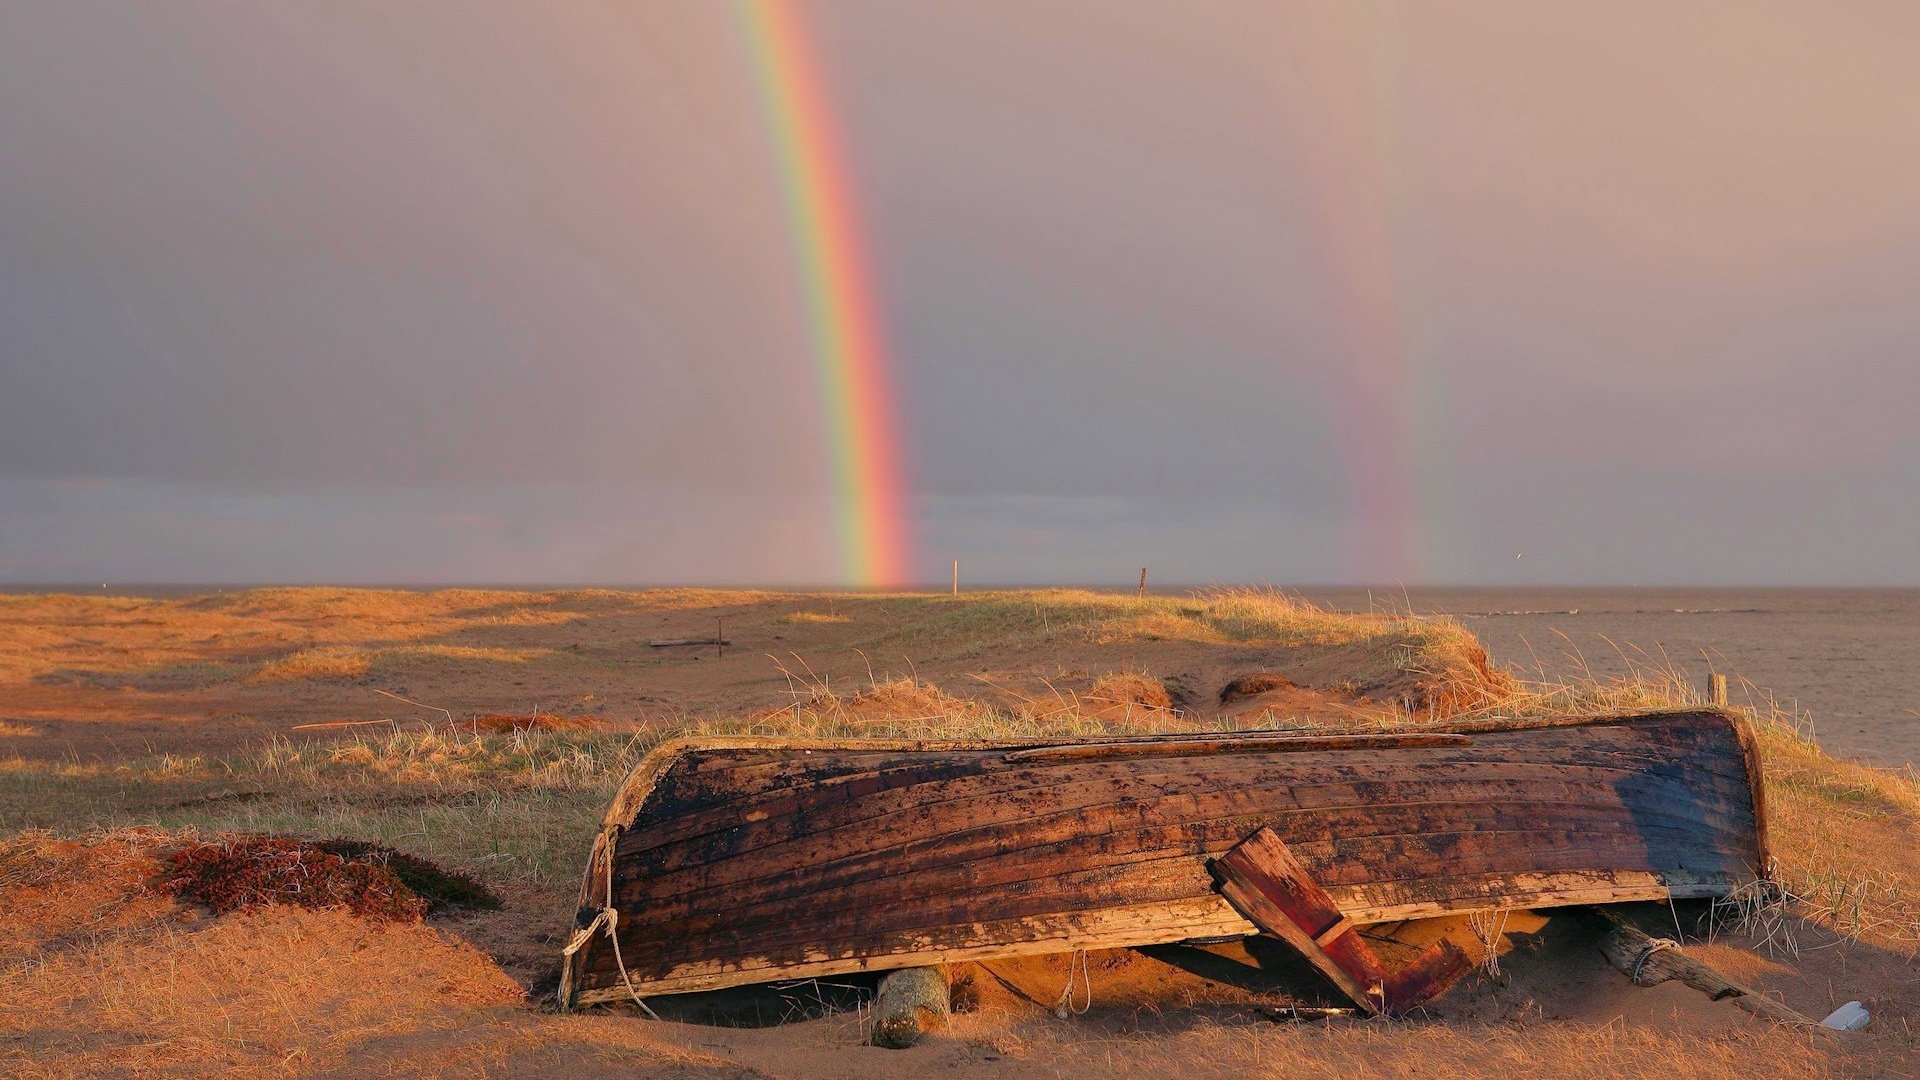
(1298,293)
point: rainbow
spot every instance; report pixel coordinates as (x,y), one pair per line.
(848,340)
(1347,131)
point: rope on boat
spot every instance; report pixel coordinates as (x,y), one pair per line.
(1489,927)
(1065,1007)
(1653,945)
(610,917)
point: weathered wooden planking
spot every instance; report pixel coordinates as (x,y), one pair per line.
(954,883)
(1211,819)
(805,856)
(974,861)
(1266,883)
(1272,890)
(831,821)
(1349,817)
(888,783)
(1110,928)
(735,861)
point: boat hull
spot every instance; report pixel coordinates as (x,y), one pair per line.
(733,861)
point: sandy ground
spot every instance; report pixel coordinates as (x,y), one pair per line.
(98,976)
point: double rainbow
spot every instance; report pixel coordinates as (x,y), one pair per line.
(848,341)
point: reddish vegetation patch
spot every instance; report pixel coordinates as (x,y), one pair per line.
(439,887)
(505,722)
(267,870)
(363,878)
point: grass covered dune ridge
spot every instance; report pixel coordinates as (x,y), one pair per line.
(487,730)
(291,633)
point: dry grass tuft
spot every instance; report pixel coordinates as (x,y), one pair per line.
(815,617)
(325,663)
(1128,693)
(890,705)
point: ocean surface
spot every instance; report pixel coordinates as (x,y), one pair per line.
(1848,658)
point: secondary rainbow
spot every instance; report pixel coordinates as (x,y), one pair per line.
(852,368)
(1345,122)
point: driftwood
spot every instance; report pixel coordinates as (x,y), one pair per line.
(661,643)
(1650,961)
(910,1002)
(1263,880)
(343,723)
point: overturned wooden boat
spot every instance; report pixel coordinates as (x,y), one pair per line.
(727,861)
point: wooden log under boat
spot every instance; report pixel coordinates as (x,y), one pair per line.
(727,861)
